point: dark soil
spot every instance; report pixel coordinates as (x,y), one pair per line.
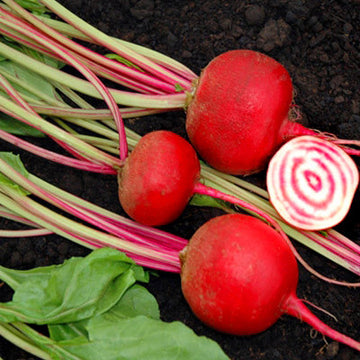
(319,43)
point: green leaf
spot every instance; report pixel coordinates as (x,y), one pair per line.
(16,127)
(15,162)
(132,329)
(77,289)
(179,88)
(136,301)
(33,5)
(62,332)
(42,57)
(204,200)
(30,79)
(124,61)
(141,337)
(95,310)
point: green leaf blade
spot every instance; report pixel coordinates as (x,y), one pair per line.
(78,289)
(143,338)
(15,162)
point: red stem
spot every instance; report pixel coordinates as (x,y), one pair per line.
(53,156)
(157,70)
(350,151)
(206,190)
(86,72)
(202,189)
(291,129)
(295,307)
(100,64)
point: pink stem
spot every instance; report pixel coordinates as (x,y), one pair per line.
(97,68)
(343,240)
(161,237)
(291,129)
(102,224)
(19,219)
(93,219)
(350,151)
(122,80)
(104,62)
(162,261)
(128,239)
(62,159)
(172,265)
(88,74)
(344,252)
(35,149)
(205,190)
(116,162)
(295,307)
(85,165)
(137,59)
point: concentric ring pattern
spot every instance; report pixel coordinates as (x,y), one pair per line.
(311,183)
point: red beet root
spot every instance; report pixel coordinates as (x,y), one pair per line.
(158,178)
(239,115)
(239,276)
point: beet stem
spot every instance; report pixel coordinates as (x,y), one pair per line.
(292,129)
(202,189)
(295,307)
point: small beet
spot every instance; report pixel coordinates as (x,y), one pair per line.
(158,178)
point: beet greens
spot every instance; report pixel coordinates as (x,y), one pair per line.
(153,83)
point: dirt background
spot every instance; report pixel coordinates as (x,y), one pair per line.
(318,42)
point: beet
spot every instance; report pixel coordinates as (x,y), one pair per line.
(239,276)
(239,114)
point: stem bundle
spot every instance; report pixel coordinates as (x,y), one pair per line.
(155,84)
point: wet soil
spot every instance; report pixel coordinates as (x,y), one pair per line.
(319,43)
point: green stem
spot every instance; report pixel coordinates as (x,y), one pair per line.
(65,55)
(102,65)
(105,40)
(11,215)
(73,230)
(23,210)
(231,185)
(24,233)
(44,346)
(90,114)
(9,280)
(30,88)
(257,196)
(58,133)
(12,334)
(95,127)
(103,144)
(174,101)
(154,55)
(302,237)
